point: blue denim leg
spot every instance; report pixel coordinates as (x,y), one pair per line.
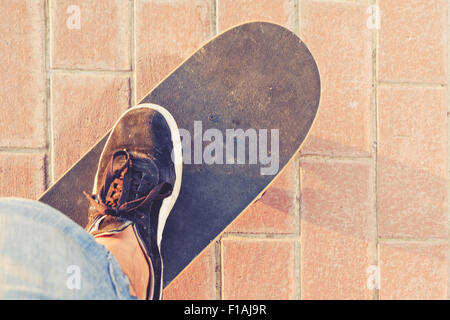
(45,255)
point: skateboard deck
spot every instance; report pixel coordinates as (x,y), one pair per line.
(244,103)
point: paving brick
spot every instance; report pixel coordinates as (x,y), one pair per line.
(337,35)
(413,271)
(167,32)
(22,69)
(337,229)
(84,108)
(100,41)
(233,12)
(413,41)
(412,162)
(341,43)
(274,211)
(197,281)
(258,269)
(342,126)
(22,175)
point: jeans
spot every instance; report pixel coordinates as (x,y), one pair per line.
(45,255)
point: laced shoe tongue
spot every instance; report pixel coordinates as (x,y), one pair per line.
(144,177)
(132,181)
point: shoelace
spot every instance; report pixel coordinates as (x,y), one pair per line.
(132,179)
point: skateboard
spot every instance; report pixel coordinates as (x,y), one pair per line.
(244,103)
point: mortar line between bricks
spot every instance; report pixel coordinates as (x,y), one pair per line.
(448,147)
(91,72)
(23,150)
(49,174)
(405,84)
(133,82)
(336,158)
(222,276)
(386,240)
(213,15)
(258,236)
(217,267)
(297,225)
(287,237)
(374,120)
(297,17)
(216,17)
